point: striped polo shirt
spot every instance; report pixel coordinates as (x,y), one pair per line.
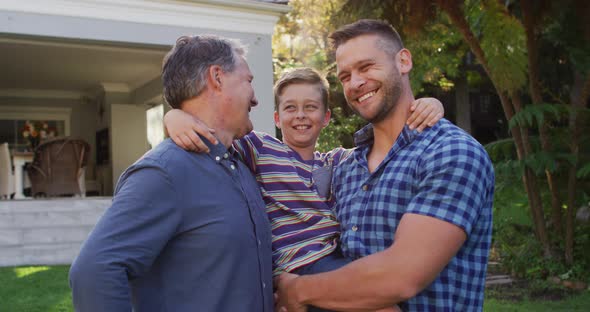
(298,201)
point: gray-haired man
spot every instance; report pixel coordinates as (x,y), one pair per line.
(186,231)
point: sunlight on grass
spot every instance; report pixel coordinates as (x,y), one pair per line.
(24,271)
(35,289)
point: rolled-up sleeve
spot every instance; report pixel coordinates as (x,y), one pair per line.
(455,179)
(126,240)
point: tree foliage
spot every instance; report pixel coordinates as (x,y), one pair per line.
(536,54)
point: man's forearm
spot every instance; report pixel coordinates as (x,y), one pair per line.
(370,283)
(422,248)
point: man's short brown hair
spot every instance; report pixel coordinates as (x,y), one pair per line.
(304,75)
(368,27)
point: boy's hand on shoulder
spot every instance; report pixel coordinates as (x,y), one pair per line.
(425,113)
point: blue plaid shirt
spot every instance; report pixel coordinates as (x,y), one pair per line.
(442,173)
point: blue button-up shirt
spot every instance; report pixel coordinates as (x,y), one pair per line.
(185,232)
(442,173)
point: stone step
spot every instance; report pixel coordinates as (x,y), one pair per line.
(499,280)
(86,216)
(41,254)
(46,231)
(53,204)
(43,235)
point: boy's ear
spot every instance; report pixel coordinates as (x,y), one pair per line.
(214,76)
(327,116)
(277,120)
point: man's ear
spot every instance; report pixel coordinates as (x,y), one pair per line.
(214,76)
(404,61)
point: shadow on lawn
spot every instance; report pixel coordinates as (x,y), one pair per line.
(35,289)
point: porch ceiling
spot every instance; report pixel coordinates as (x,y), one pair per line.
(33,64)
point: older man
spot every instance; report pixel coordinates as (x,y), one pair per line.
(415,208)
(186,231)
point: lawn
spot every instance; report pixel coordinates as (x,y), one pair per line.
(35,289)
(45,289)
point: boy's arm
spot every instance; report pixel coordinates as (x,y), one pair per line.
(425,113)
(183,129)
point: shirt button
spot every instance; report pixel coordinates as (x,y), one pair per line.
(232,167)
(263,285)
(259,243)
(355,228)
(365,187)
(225,155)
(217,158)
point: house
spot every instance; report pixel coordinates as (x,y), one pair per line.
(91,69)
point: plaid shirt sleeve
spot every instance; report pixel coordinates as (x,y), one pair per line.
(454,182)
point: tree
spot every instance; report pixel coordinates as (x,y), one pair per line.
(506,38)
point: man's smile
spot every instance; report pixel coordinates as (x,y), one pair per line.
(366,96)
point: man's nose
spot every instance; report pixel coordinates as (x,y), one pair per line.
(357,81)
(253,101)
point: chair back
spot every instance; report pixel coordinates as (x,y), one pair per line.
(6,174)
(57,167)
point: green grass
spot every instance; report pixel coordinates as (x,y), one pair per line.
(580,302)
(45,289)
(35,289)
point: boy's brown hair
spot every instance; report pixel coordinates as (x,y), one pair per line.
(304,75)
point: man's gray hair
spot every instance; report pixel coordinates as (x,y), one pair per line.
(185,67)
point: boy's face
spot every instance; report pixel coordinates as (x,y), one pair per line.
(301,115)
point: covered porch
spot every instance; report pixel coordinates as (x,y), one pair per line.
(91,70)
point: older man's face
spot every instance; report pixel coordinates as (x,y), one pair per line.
(239,98)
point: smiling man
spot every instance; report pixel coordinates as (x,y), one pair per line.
(414,208)
(186,231)
(294,178)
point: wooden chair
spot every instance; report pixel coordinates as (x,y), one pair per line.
(58,167)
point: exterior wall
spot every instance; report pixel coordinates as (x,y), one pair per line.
(46,232)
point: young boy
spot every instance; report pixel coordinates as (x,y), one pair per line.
(294,178)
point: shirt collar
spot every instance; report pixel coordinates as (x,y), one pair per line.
(217,151)
(365,136)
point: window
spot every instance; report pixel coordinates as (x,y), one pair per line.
(13,119)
